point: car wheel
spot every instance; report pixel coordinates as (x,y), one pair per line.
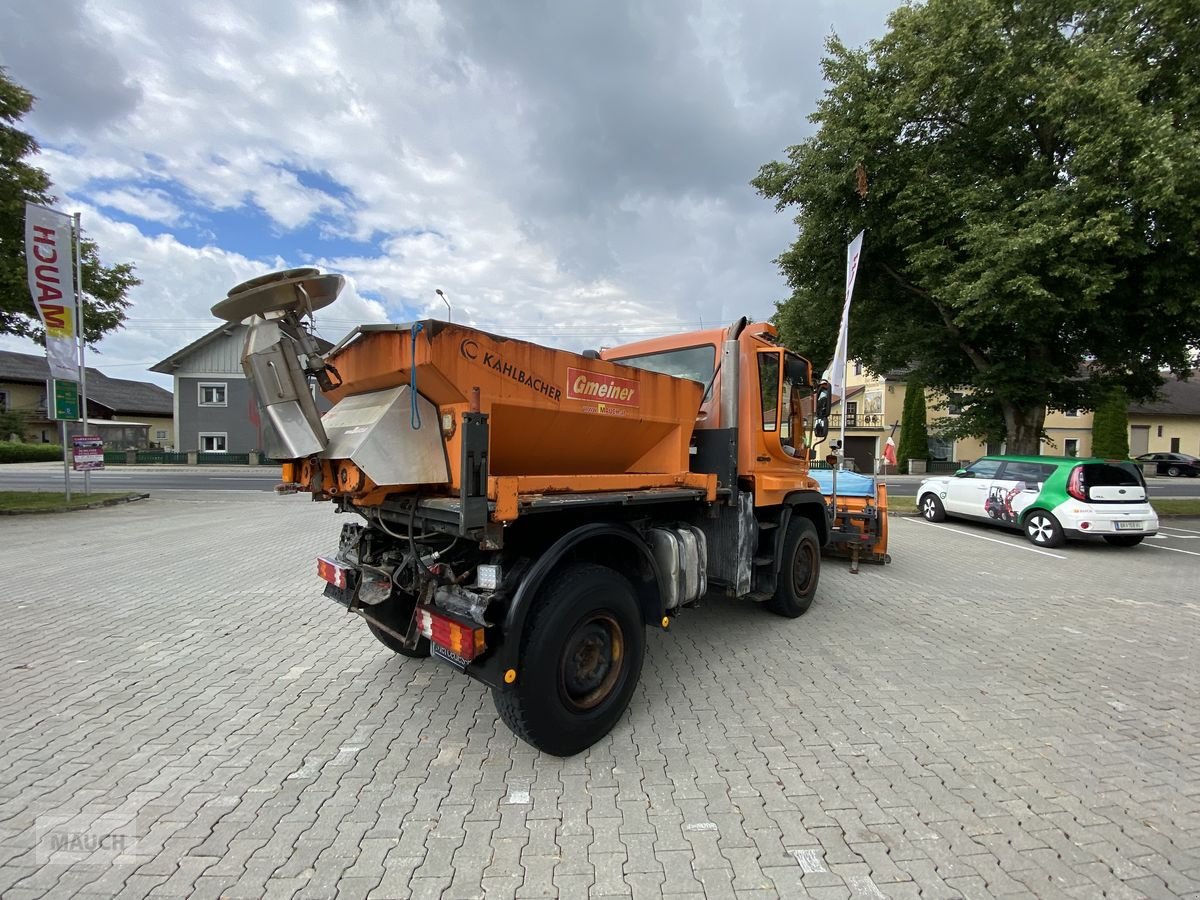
(932,509)
(1043,529)
(583,645)
(392,643)
(1173,471)
(799,571)
(1124,540)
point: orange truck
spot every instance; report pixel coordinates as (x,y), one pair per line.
(524,513)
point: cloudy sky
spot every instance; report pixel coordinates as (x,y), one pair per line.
(575,174)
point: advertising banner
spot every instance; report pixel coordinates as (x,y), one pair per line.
(87,452)
(51,284)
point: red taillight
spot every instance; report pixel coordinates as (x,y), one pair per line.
(1075,484)
(460,638)
(332,572)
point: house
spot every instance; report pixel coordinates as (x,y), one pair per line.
(215,408)
(873,407)
(125,413)
(874,404)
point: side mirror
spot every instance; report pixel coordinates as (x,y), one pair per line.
(824,402)
(820,427)
(962,473)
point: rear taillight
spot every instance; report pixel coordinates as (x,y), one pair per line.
(1075,484)
(461,639)
(336,575)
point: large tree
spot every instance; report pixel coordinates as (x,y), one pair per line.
(1028,176)
(104,287)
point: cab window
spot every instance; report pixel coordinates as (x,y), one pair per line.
(768,380)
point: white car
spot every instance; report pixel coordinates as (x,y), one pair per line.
(1050,498)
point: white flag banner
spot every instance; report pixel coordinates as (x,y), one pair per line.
(837,374)
(51,284)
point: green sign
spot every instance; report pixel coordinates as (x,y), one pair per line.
(66,400)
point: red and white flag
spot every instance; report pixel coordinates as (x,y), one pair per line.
(889,451)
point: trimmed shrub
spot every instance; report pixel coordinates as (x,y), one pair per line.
(1110,427)
(11,452)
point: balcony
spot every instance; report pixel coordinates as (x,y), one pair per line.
(868,421)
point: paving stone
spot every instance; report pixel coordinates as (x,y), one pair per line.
(968,721)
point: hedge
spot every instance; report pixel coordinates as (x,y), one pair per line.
(11,452)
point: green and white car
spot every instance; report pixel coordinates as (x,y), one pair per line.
(1050,498)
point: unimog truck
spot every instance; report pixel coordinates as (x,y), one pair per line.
(523,514)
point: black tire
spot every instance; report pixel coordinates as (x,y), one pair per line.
(1124,540)
(1173,471)
(420,652)
(799,570)
(1043,529)
(582,651)
(932,509)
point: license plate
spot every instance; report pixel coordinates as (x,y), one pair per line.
(448,656)
(1130,526)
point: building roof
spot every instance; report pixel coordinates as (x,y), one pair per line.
(1177,398)
(121,395)
(176,359)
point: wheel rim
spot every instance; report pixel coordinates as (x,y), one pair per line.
(803,566)
(1040,529)
(929,508)
(592,661)
(1172,471)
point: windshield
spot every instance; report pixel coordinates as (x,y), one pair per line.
(696,363)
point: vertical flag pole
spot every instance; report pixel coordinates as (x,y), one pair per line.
(62,425)
(87,487)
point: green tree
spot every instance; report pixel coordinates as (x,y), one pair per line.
(914,433)
(104,287)
(1028,177)
(1110,427)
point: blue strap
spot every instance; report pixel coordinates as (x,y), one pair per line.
(415,416)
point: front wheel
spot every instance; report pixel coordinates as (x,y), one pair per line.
(1124,540)
(932,509)
(799,570)
(393,643)
(581,652)
(1043,529)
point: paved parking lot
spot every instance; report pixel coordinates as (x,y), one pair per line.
(182,715)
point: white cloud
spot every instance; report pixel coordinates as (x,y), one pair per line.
(576,175)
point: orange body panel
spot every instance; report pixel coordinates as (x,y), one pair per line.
(555,417)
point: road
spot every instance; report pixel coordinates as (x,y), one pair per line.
(182,714)
(49,477)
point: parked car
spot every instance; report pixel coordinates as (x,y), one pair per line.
(1173,464)
(1050,498)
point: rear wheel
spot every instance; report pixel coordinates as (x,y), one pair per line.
(582,648)
(393,643)
(1124,540)
(799,570)
(932,509)
(1043,529)
(1173,471)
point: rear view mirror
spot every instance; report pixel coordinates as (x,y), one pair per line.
(821,408)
